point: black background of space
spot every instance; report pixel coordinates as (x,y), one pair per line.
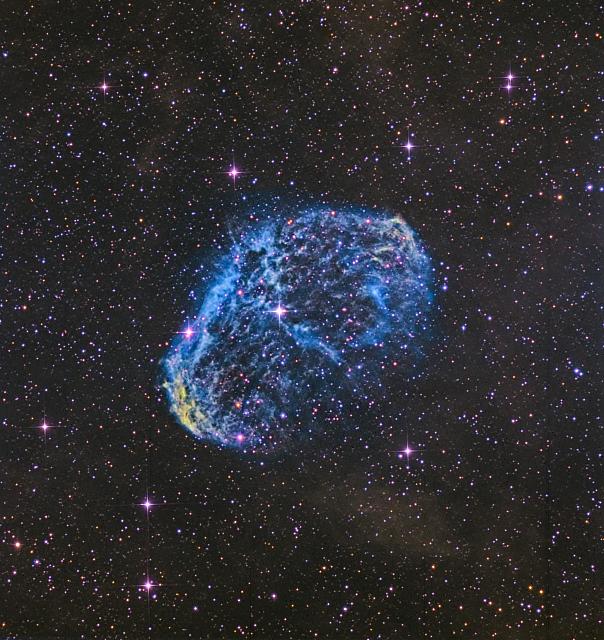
(111,197)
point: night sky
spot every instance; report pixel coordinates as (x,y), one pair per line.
(459,497)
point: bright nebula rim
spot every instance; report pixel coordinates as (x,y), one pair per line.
(305,315)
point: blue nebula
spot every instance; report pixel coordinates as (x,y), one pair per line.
(305,315)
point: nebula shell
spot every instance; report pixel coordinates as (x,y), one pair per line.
(303,319)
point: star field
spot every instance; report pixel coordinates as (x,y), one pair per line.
(461,502)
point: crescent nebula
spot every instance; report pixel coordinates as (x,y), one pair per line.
(302,319)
